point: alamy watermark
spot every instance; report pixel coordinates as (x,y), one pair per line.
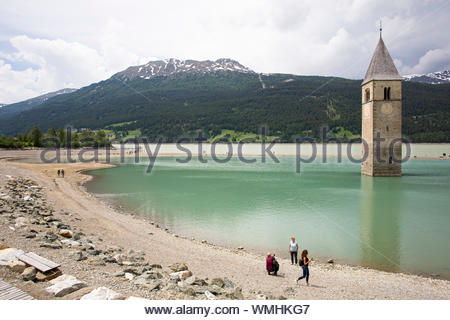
(184,145)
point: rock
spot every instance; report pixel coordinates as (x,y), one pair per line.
(218,282)
(97,262)
(66,233)
(200,282)
(240,248)
(30,235)
(129,276)
(234,294)
(330,261)
(103,293)
(9,254)
(190,280)
(228,283)
(64,287)
(78,256)
(118,274)
(209,295)
(156,266)
(45,213)
(71,243)
(49,275)
(148,284)
(177,267)
(62,278)
(112,249)
(29,274)
(21,222)
(94,252)
(189,292)
(55,245)
(16,266)
(181,275)
(204,241)
(151,275)
(76,295)
(27,198)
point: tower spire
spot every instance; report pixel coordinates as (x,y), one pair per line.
(381,28)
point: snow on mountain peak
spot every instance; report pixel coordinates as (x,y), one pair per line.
(433,77)
(173,66)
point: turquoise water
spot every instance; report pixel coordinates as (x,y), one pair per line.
(396,224)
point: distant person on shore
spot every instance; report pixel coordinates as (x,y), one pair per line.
(59,172)
(275,265)
(304,263)
(62,173)
(293,250)
(269,265)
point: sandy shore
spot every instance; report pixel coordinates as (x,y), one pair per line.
(247,270)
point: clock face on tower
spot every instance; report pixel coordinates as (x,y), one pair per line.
(386,108)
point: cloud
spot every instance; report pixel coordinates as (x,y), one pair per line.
(57,64)
(75,45)
(433,60)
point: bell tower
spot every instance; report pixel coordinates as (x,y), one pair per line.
(382,116)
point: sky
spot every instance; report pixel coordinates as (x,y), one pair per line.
(50,45)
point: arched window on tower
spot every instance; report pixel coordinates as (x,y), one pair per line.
(367,95)
(387,93)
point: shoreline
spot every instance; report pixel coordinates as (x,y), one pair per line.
(251,276)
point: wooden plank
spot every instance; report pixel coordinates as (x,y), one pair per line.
(34,263)
(8,292)
(43,260)
(38,262)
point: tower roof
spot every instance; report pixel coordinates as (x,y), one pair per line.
(381,66)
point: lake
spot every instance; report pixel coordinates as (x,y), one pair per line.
(395,224)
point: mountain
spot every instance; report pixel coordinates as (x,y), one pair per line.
(176,98)
(2,104)
(172,67)
(10,110)
(433,78)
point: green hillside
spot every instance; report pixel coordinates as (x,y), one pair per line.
(232,106)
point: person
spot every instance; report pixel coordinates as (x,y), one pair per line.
(269,263)
(304,263)
(275,265)
(293,250)
(62,173)
(59,172)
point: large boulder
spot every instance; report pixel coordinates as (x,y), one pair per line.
(9,254)
(103,293)
(17,266)
(29,274)
(67,284)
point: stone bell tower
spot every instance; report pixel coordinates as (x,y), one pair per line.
(382,116)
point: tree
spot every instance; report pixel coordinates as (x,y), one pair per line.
(61,137)
(35,136)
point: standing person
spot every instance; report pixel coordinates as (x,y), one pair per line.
(304,263)
(293,250)
(59,172)
(62,173)
(269,263)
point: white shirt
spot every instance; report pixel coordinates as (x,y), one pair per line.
(293,246)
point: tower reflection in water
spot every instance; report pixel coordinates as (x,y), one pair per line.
(380,222)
